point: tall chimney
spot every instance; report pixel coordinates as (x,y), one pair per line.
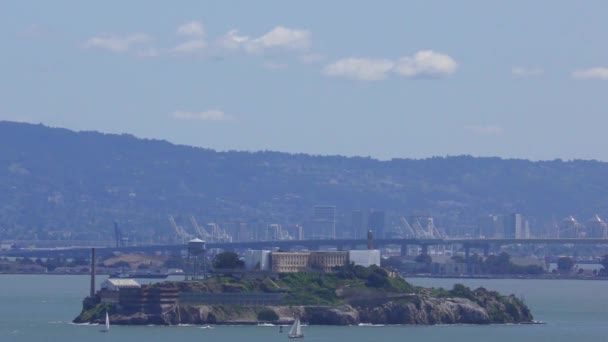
(92,272)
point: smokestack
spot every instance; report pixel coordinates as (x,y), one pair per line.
(93,272)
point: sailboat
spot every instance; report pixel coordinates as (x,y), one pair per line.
(296,330)
(107,327)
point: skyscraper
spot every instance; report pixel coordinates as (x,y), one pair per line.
(376,223)
(358,226)
(516,227)
(323,223)
(569,228)
(597,228)
(490,226)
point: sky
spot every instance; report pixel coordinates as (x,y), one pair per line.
(386,79)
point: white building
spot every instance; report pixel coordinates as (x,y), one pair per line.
(257,260)
(115,284)
(364,257)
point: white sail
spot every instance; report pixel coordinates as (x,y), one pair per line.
(107,327)
(296,329)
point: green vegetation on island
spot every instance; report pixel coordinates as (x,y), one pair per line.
(349,295)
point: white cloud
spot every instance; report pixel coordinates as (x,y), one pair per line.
(190,46)
(600,73)
(208,115)
(484,129)
(193,28)
(362,69)
(232,40)
(279,38)
(426,63)
(117,43)
(525,72)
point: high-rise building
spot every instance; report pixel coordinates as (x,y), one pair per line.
(358,226)
(323,223)
(294,231)
(597,228)
(569,228)
(376,223)
(274,232)
(490,226)
(516,227)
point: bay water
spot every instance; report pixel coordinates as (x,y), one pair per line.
(41,307)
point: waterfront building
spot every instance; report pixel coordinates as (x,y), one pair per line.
(115,284)
(326,261)
(364,257)
(258,260)
(111,287)
(290,262)
(449,268)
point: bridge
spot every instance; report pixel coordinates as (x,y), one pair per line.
(340,244)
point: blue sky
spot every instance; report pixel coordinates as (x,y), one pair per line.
(387,79)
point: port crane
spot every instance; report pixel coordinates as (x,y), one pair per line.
(179,230)
(212,232)
(418,230)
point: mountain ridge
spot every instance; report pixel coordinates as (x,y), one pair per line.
(55,179)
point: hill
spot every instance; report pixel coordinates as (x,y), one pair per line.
(350,296)
(57,183)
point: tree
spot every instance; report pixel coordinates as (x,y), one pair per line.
(228,260)
(391,262)
(424,257)
(458,258)
(565,264)
(120,264)
(498,264)
(268,315)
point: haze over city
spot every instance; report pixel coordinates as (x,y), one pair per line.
(391,79)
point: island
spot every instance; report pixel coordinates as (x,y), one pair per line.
(349,295)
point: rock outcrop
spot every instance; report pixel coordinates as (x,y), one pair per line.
(426,311)
(349,296)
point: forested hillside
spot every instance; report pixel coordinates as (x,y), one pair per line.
(55,180)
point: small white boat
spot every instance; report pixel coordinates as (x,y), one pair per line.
(296,330)
(106,328)
(265,325)
(370,325)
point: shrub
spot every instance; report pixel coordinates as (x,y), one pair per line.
(268,315)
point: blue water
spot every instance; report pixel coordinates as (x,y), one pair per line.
(40,308)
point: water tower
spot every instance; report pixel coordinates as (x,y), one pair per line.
(196,260)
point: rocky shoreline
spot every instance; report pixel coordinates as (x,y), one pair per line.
(484,308)
(350,295)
